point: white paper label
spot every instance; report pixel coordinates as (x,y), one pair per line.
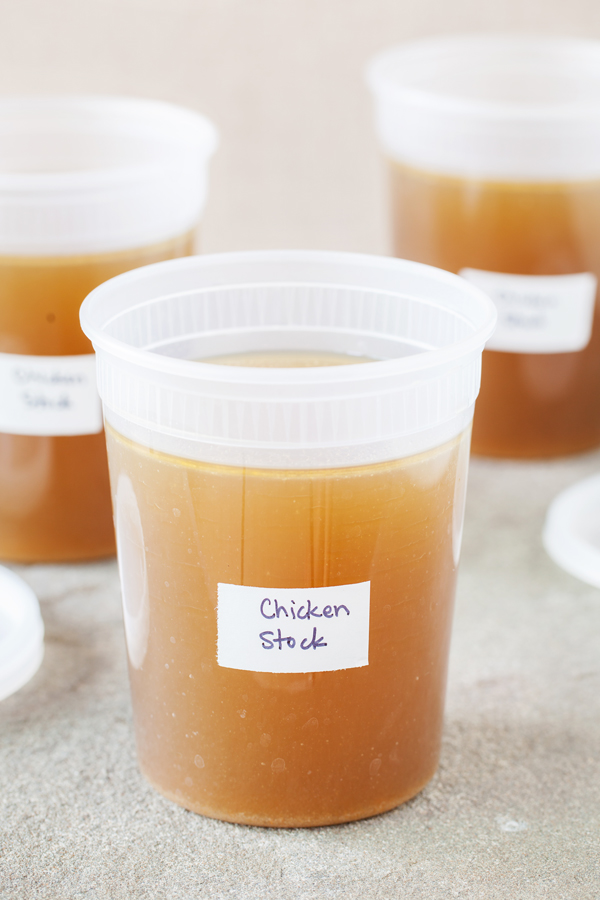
(293,629)
(49,395)
(539,313)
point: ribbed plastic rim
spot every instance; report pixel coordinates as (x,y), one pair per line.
(428,359)
(383,82)
(199,129)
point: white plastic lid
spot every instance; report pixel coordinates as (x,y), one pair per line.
(427,327)
(502,107)
(21,633)
(85,175)
(572,530)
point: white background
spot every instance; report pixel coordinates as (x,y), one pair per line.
(282,79)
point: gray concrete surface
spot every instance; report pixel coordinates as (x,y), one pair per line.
(514,811)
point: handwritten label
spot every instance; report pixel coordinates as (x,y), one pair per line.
(293,629)
(49,395)
(539,313)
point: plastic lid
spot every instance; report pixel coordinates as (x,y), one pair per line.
(491,106)
(572,530)
(21,633)
(427,328)
(85,175)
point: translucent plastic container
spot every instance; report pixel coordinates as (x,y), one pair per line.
(89,187)
(21,633)
(288,536)
(493,145)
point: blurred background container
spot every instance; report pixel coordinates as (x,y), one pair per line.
(89,188)
(493,143)
(282,80)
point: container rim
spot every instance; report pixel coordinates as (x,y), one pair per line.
(211,372)
(22,640)
(188,128)
(385,83)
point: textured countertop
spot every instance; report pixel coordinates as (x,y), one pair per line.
(514,811)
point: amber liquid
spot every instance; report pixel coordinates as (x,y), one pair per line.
(54,491)
(287,749)
(530,405)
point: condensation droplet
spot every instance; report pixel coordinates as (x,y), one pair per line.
(242,713)
(265,740)
(188,781)
(166,665)
(278,765)
(166,584)
(311,725)
(199,762)
(374,767)
(172,640)
(176,512)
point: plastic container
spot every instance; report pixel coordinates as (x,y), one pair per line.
(21,633)
(493,145)
(572,530)
(89,187)
(288,537)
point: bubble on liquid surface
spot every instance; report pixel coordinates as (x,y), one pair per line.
(188,781)
(311,725)
(242,713)
(374,767)
(172,640)
(265,740)
(278,765)
(176,512)
(199,762)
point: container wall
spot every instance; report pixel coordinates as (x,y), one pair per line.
(276,747)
